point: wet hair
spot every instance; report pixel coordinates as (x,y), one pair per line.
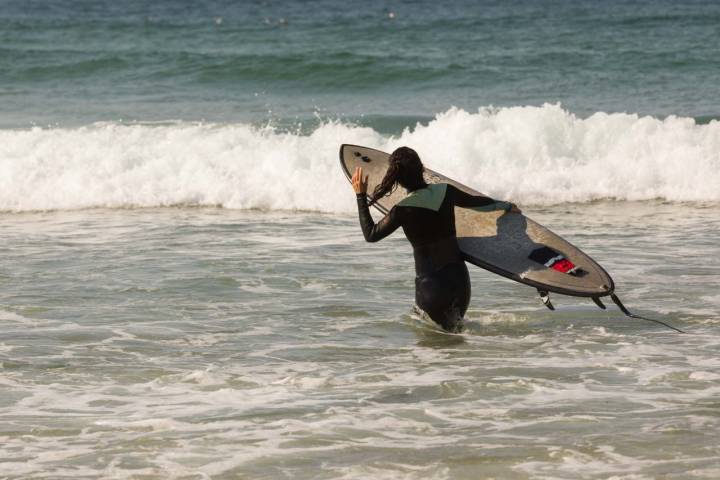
(405,169)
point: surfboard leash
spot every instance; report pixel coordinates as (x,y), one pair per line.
(628,313)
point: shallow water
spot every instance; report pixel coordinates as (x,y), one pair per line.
(198,343)
(220,332)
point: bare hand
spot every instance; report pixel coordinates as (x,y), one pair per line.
(359,185)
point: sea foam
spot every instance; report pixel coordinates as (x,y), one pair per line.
(531,155)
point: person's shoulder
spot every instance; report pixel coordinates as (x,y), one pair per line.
(449,188)
(398,210)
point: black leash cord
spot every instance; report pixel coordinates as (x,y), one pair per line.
(632,315)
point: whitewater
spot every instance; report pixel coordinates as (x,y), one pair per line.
(221,343)
(185,292)
(532,155)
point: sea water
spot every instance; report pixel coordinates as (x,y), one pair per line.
(185,292)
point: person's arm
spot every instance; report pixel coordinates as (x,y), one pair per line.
(372,231)
(480,202)
(375,231)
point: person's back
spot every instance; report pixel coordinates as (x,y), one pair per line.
(427,216)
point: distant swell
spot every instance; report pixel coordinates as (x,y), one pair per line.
(532,155)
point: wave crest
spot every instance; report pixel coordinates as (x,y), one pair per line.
(532,155)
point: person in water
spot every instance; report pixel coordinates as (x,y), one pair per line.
(427,216)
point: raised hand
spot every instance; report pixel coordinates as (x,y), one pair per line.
(359,184)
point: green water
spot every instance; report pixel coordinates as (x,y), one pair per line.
(73,62)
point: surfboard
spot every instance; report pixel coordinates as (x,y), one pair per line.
(505,243)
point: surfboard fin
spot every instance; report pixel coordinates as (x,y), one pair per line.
(545,297)
(627,312)
(598,302)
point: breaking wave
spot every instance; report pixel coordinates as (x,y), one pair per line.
(532,155)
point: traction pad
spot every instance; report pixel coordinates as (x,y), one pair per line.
(555,260)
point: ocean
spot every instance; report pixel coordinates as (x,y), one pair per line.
(185,291)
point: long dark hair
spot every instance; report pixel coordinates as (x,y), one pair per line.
(405,169)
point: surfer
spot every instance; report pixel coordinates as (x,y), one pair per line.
(427,216)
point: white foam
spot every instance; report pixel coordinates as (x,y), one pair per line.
(532,155)
(15,318)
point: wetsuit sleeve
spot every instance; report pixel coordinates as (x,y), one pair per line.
(372,231)
(476,202)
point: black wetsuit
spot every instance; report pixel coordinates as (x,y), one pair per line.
(442,282)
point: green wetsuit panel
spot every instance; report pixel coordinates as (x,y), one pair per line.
(430,197)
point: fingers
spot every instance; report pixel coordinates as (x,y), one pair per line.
(356,177)
(359,184)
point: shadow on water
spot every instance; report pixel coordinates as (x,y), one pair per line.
(438,339)
(430,334)
(517,325)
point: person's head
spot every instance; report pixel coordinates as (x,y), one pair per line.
(405,169)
